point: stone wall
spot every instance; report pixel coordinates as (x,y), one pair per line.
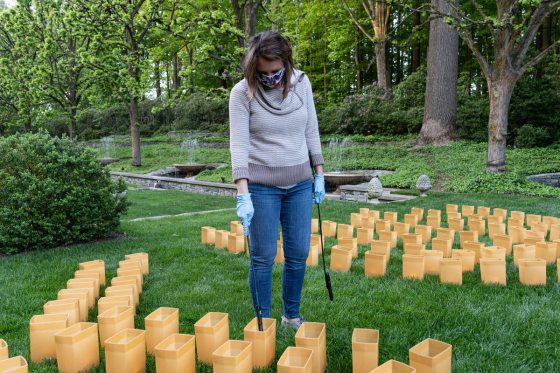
(552,179)
(358,193)
(187,185)
(353,193)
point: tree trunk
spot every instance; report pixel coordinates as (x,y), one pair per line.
(325,57)
(398,63)
(500,91)
(176,70)
(73,123)
(251,10)
(72,88)
(238,21)
(398,58)
(134,131)
(27,123)
(416,47)
(133,75)
(468,62)
(157,76)
(546,32)
(274,26)
(168,79)
(357,63)
(383,81)
(191,61)
(440,105)
(73,101)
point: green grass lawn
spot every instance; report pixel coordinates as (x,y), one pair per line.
(492,328)
(145,203)
(456,167)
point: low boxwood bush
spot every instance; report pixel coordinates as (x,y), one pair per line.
(54,192)
(532,137)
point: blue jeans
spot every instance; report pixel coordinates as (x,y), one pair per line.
(292,209)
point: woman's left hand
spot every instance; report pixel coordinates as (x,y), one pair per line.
(319,189)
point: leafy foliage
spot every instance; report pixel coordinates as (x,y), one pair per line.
(365,113)
(464,165)
(201,112)
(531,137)
(53,192)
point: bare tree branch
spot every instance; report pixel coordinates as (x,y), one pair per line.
(355,21)
(370,16)
(535,60)
(537,17)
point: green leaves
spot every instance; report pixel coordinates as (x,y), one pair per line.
(53,192)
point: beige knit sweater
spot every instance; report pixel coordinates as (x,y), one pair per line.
(272,138)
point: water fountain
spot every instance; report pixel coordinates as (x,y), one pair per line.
(107,145)
(338,149)
(188,151)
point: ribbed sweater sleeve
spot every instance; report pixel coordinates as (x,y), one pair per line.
(312,128)
(239,113)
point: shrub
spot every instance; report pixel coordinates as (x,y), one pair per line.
(55,122)
(53,192)
(365,113)
(202,113)
(528,136)
(153,115)
(94,123)
(472,117)
(115,119)
(536,100)
(89,124)
(411,92)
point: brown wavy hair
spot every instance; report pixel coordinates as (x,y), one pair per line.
(270,45)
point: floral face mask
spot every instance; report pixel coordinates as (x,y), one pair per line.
(271,81)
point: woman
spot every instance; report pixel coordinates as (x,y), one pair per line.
(274,142)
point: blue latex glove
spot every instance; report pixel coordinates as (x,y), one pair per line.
(245,211)
(319,189)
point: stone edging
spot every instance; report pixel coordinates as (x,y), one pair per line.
(551,179)
(358,193)
(189,185)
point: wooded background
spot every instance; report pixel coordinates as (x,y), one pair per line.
(479,70)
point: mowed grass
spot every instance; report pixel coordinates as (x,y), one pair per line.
(491,328)
(146,203)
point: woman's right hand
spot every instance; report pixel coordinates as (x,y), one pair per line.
(245,211)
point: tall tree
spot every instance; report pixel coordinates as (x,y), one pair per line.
(377,12)
(206,43)
(440,108)
(127,24)
(513,25)
(19,51)
(246,13)
(64,57)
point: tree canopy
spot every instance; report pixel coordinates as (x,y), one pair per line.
(59,59)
